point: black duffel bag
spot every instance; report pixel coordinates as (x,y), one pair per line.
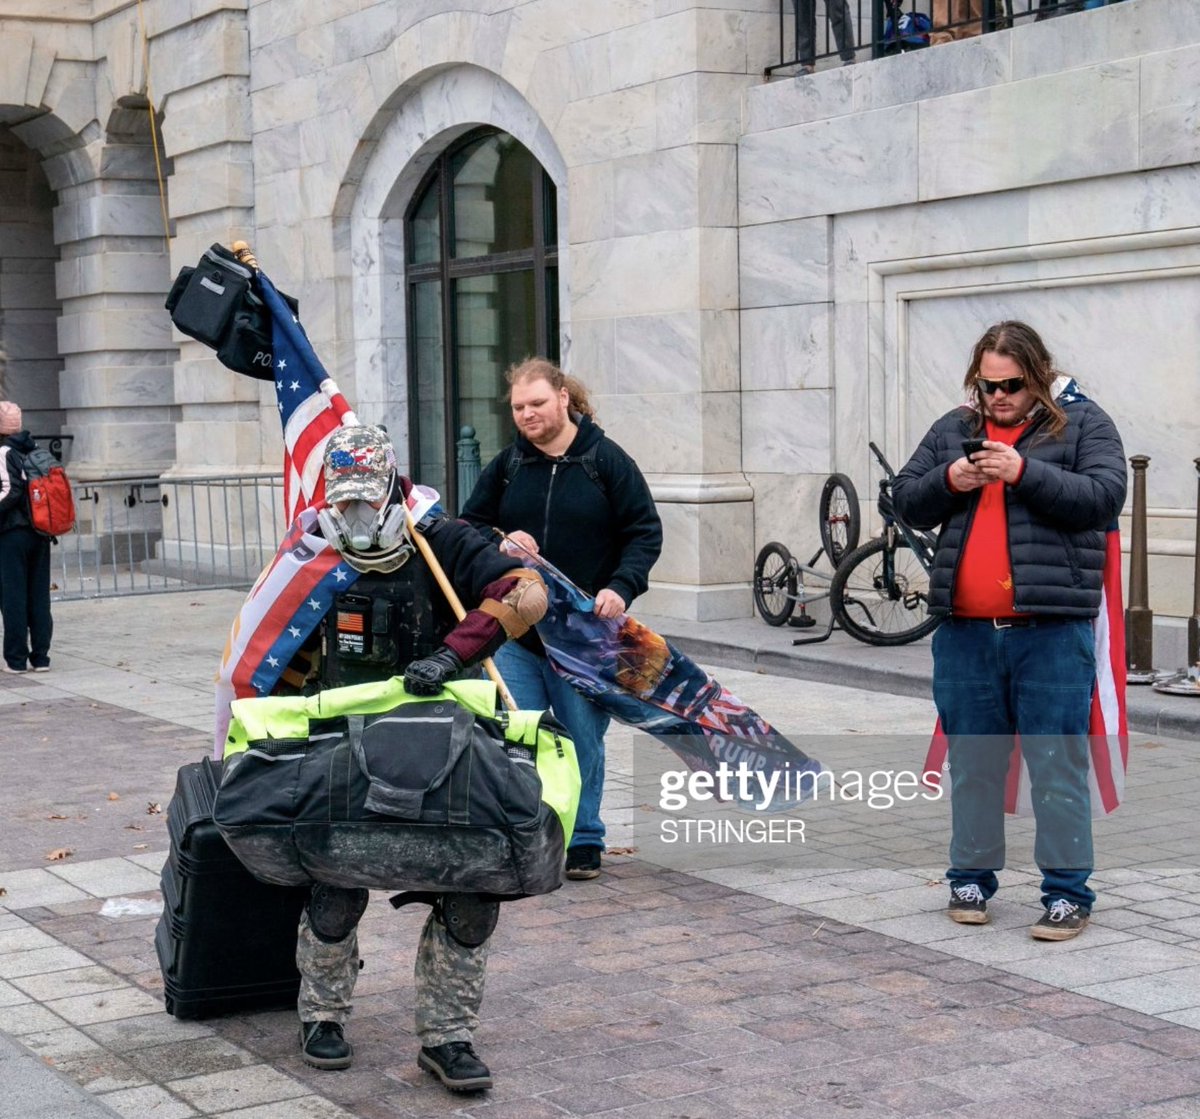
(424,794)
(216,303)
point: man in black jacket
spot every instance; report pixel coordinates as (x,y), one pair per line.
(1023,482)
(567,491)
(24,556)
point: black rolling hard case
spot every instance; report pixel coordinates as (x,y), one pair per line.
(226,941)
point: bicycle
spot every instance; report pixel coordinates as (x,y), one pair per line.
(779,577)
(879,591)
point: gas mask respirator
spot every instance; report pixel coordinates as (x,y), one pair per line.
(370,539)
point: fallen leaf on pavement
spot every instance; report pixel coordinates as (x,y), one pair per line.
(134,827)
(114,796)
(55,816)
(140,846)
(153,809)
(58,854)
(621,851)
(3,891)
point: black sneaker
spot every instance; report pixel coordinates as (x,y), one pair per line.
(1062,920)
(456,1065)
(583,862)
(967,905)
(323,1046)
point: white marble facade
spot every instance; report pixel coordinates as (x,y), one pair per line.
(755,277)
(1048,173)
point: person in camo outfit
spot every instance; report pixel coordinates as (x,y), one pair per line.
(364,519)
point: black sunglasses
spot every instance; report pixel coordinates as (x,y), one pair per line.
(1009,385)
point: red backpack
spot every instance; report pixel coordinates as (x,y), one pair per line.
(51,504)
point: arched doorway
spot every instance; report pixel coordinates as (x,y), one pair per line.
(481,280)
(29,303)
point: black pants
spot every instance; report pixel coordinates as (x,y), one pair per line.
(806,29)
(25,597)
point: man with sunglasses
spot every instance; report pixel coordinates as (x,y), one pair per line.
(1023,481)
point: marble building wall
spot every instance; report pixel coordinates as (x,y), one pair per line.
(890,212)
(633,108)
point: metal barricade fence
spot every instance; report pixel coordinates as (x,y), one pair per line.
(151,535)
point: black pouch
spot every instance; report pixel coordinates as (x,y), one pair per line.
(247,345)
(205,306)
(216,303)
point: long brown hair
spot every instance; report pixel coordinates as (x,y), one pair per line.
(1019,341)
(542,369)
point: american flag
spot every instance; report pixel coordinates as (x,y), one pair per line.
(1108,728)
(297,587)
(310,406)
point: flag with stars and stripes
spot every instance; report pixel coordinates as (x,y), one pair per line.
(310,407)
(287,601)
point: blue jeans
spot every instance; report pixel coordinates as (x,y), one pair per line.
(537,687)
(989,683)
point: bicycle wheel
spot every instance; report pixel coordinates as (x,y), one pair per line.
(875,608)
(775,584)
(839,516)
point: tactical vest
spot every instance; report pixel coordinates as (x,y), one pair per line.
(383,624)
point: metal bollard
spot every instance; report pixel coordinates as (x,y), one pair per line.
(467,456)
(1139,618)
(1193,638)
(1187,680)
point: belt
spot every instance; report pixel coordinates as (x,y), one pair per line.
(1021,622)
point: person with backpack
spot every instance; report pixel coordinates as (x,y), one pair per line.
(24,555)
(566,491)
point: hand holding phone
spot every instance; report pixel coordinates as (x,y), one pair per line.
(971,447)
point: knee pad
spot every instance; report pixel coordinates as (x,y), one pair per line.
(469,919)
(333,911)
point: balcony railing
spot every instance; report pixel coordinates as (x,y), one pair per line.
(854,30)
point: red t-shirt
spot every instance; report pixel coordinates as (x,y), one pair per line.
(984,586)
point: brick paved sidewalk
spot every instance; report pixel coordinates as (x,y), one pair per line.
(649,993)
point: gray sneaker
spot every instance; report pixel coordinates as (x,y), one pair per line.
(967,905)
(1062,920)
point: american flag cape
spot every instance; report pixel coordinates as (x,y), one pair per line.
(641,679)
(288,599)
(1108,730)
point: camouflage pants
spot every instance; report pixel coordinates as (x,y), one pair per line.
(448,981)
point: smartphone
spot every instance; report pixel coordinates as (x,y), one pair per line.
(971,447)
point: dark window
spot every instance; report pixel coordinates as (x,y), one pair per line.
(481,242)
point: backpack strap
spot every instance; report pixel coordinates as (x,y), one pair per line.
(514,460)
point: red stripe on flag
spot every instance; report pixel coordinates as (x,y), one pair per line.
(278,616)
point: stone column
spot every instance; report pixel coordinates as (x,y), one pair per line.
(654,282)
(113,336)
(203,90)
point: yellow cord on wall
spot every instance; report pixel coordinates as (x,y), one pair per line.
(162,186)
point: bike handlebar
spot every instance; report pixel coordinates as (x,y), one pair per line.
(887,467)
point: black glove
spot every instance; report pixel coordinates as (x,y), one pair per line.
(426,676)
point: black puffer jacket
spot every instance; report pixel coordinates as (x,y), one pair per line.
(14,509)
(1071,490)
(599,535)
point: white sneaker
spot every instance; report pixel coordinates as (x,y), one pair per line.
(41,668)
(15,671)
